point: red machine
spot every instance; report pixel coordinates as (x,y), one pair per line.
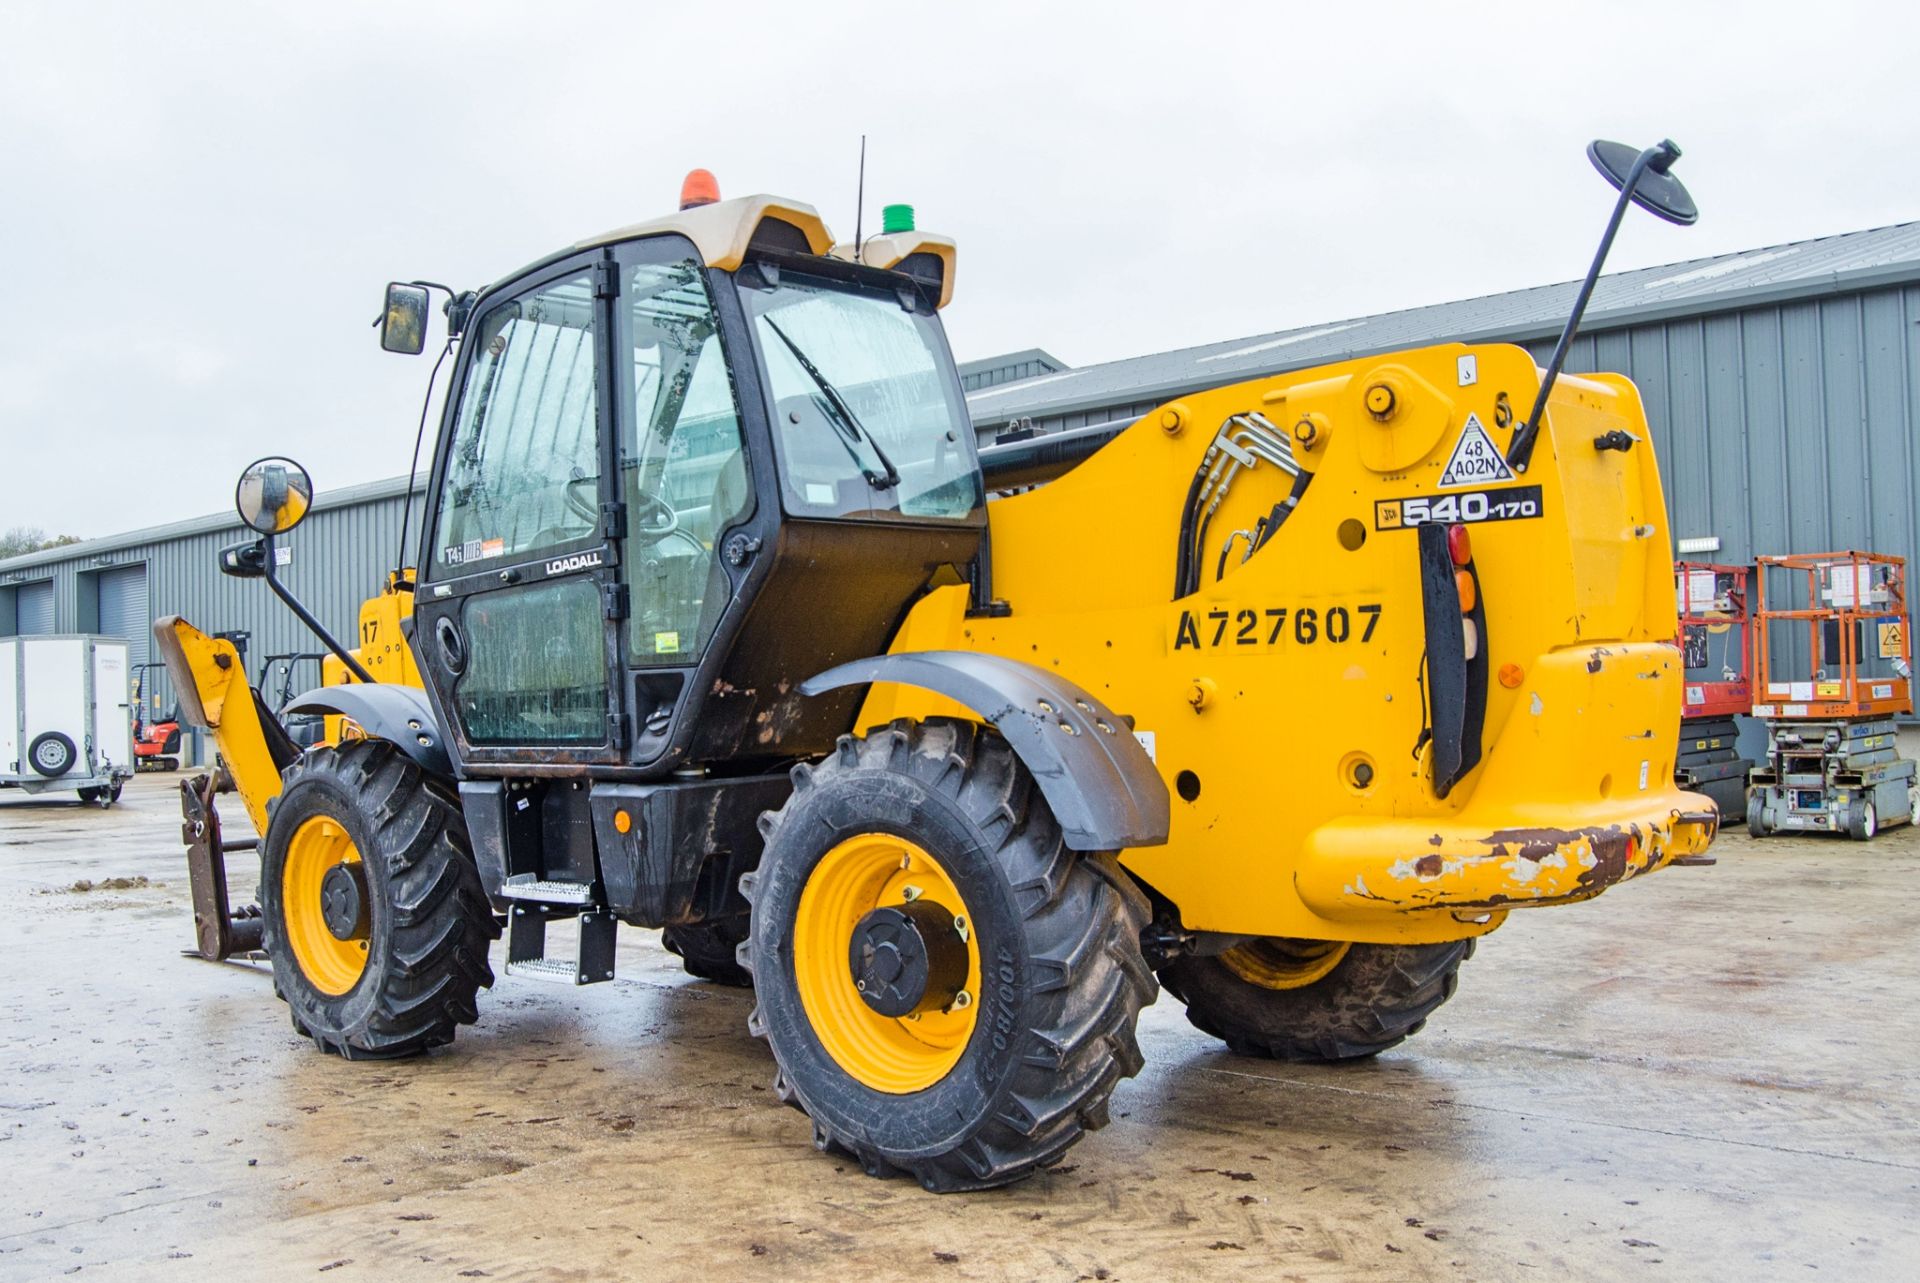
(1856,661)
(156,741)
(1713,638)
(1832,667)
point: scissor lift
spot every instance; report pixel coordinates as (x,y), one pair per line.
(1832,669)
(1713,637)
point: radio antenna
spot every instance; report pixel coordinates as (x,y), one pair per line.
(860,198)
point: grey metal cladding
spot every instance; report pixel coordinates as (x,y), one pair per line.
(1853,262)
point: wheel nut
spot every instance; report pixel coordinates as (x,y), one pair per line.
(962,1000)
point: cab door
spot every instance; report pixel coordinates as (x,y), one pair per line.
(519,609)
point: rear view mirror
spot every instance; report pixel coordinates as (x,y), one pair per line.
(273,495)
(1657,191)
(403,324)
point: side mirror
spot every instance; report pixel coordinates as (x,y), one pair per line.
(403,325)
(1656,190)
(273,495)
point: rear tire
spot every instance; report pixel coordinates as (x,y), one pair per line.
(1058,980)
(427,923)
(1373,998)
(1757,825)
(1862,820)
(710,949)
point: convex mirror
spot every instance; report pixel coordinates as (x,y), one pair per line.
(1658,191)
(273,495)
(403,325)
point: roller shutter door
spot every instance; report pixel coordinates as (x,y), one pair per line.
(123,609)
(35,605)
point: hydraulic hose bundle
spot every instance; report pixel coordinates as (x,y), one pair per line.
(1244,441)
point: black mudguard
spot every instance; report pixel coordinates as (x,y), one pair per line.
(1100,783)
(388,711)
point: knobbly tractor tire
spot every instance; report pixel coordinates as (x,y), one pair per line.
(372,908)
(1310,1001)
(1028,982)
(710,950)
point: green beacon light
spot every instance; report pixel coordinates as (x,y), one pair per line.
(896,218)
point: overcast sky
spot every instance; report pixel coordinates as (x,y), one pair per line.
(200,204)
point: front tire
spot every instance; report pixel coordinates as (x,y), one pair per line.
(372,908)
(1033,980)
(1307,1001)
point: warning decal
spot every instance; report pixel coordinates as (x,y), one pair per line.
(1475,459)
(1893,640)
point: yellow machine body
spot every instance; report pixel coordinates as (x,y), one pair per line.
(211,681)
(1263,694)
(382,650)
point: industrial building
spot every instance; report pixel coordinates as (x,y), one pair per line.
(1782,386)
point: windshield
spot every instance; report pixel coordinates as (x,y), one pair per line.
(867,415)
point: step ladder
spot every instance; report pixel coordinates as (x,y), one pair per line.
(535,903)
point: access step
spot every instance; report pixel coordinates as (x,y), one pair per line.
(592,962)
(526,886)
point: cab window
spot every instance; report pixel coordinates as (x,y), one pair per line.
(683,469)
(523,474)
(867,415)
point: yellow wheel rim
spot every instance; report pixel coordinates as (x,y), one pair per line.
(331,965)
(897,1055)
(1284,964)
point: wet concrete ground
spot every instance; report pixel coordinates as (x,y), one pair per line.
(1707,1075)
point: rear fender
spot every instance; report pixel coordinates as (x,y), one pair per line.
(1101,785)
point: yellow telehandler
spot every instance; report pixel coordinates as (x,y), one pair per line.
(1279,697)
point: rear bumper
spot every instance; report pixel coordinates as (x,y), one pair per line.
(1356,870)
(1576,795)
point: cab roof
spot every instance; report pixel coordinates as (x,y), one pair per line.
(723,232)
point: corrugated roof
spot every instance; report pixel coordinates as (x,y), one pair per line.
(87,548)
(1750,278)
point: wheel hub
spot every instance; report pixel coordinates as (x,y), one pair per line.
(343,900)
(908,958)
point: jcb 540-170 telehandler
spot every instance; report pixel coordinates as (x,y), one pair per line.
(1278,698)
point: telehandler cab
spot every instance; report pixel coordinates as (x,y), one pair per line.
(1284,694)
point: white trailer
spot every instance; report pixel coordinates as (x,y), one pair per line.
(66,720)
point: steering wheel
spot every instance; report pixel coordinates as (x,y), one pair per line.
(653,520)
(586,507)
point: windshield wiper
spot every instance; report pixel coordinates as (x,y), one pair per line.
(853,430)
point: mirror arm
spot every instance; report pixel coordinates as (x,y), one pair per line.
(1658,158)
(293,603)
